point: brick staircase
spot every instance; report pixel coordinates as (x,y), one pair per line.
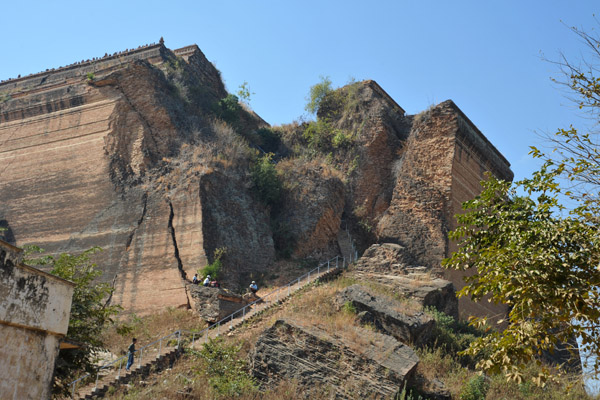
(168,355)
(260,308)
(115,378)
(345,244)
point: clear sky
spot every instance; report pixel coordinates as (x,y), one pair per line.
(483,55)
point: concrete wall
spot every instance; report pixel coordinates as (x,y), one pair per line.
(34,316)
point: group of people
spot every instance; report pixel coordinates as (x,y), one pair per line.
(209,282)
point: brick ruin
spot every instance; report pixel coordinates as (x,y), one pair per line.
(73,153)
(81,144)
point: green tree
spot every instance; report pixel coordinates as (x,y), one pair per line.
(227,373)
(244,92)
(90,314)
(534,254)
(542,264)
(318,93)
(228,109)
(265,180)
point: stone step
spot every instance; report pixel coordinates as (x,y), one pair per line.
(345,245)
(106,382)
(110,380)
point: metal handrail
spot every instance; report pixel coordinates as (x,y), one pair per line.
(217,325)
(276,292)
(121,359)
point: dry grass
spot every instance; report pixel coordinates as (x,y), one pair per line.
(148,329)
(434,364)
(187,381)
(424,116)
(403,305)
(315,306)
(300,175)
(216,147)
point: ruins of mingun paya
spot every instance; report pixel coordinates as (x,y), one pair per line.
(137,153)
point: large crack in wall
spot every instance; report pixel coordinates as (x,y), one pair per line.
(139,222)
(128,243)
(184,278)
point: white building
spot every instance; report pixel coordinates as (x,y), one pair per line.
(34,316)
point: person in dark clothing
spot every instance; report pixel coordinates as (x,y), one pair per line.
(130,352)
(195,279)
(253,287)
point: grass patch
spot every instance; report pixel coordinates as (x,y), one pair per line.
(225,371)
(149,328)
(314,306)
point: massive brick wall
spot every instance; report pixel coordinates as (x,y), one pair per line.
(416,218)
(473,157)
(443,161)
(74,154)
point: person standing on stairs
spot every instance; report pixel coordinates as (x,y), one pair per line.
(130,352)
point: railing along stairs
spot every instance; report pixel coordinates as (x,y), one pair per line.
(166,347)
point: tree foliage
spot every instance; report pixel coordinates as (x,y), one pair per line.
(244,92)
(532,252)
(265,180)
(228,109)
(318,93)
(89,314)
(227,373)
(578,153)
(542,264)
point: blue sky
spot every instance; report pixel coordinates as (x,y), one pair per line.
(483,55)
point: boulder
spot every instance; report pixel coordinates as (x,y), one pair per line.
(385,258)
(433,389)
(377,367)
(214,304)
(389,316)
(388,264)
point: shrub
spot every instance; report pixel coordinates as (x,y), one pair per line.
(453,336)
(341,139)
(268,140)
(475,389)
(213,269)
(228,109)
(349,308)
(244,92)
(265,180)
(408,394)
(226,371)
(321,135)
(317,94)
(326,102)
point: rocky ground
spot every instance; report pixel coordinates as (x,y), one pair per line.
(341,339)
